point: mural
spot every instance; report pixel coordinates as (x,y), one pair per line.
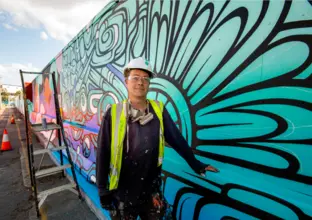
(235,77)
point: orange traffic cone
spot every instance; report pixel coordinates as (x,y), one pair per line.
(6,145)
(12,120)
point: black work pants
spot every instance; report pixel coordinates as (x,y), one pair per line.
(146,211)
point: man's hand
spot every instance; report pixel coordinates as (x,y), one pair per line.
(157,202)
(212,169)
(209,168)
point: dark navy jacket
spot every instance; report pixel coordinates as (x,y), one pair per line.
(140,176)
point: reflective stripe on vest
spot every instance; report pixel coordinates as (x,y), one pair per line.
(119,127)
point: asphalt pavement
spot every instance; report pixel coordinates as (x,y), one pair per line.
(16,200)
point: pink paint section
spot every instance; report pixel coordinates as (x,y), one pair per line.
(80,140)
(93,123)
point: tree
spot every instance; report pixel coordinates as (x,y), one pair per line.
(17,93)
(5,96)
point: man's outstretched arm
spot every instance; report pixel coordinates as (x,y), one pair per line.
(175,139)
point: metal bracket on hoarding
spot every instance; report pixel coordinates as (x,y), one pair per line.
(35,73)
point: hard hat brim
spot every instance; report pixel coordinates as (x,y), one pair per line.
(151,74)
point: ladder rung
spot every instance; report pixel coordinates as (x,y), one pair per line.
(56,190)
(50,126)
(51,171)
(42,151)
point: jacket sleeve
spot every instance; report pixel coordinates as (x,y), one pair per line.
(175,139)
(103,159)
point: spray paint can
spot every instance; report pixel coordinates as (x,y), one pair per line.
(44,123)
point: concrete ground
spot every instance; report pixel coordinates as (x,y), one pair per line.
(16,200)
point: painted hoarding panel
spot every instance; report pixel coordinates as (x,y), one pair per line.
(235,77)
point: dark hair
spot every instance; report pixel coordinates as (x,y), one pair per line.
(127,72)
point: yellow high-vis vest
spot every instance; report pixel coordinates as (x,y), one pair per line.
(119,128)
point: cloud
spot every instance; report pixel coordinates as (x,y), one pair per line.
(62,19)
(9,27)
(10,75)
(43,35)
(3,16)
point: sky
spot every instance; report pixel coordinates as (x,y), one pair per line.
(32,32)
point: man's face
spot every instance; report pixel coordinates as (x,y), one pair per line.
(138,83)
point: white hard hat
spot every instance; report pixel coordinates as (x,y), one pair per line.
(140,63)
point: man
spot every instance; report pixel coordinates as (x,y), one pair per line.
(131,148)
